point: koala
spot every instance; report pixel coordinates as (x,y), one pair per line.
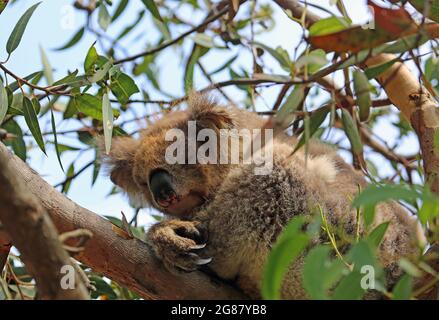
(227,218)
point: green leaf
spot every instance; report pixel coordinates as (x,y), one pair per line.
(227,64)
(351,131)
(375,71)
(104,18)
(287,247)
(313,61)
(14,85)
(361,87)
(71,77)
(349,287)
(17,143)
(74,40)
(17,33)
(284,116)
(16,105)
(328,26)
(89,105)
(100,73)
(55,138)
(3,5)
(122,86)
(102,289)
(315,121)
(319,273)
(107,121)
(151,6)
(403,289)
(374,194)
(377,234)
(196,54)
(3,102)
(279,54)
(119,10)
(69,175)
(90,59)
(433,12)
(48,73)
(31,119)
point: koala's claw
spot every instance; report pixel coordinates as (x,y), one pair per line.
(201,262)
(174,242)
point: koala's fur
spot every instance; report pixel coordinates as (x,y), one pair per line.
(242,214)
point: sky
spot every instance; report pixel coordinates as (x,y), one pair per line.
(54,23)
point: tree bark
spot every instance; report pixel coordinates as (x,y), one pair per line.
(129,262)
(33,233)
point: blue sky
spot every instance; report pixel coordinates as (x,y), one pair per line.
(50,29)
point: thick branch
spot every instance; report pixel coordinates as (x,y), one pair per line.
(128,262)
(34,234)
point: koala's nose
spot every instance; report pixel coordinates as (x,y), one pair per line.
(162,188)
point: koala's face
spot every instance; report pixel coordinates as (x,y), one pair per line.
(143,169)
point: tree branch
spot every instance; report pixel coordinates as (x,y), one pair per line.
(129,262)
(34,234)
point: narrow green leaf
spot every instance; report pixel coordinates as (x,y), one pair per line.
(119,10)
(104,18)
(55,139)
(69,175)
(287,247)
(107,121)
(315,121)
(361,87)
(31,119)
(374,194)
(100,73)
(284,116)
(432,13)
(403,289)
(279,54)
(352,132)
(17,33)
(328,26)
(3,4)
(196,54)
(14,85)
(3,102)
(375,71)
(377,234)
(17,143)
(74,40)
(71,77)
(90,59)
(47,68)
(151,6)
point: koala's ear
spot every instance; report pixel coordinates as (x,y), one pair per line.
(208,113)
(120,162)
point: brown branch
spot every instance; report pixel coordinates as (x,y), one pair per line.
(165,44)
(128,262)
(34,234)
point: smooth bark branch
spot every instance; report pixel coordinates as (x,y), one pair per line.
(33,233)
(404,91)
(128,262)
(417,105)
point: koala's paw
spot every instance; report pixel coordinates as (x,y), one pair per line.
(179,244)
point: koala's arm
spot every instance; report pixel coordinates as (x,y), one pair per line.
(176,243)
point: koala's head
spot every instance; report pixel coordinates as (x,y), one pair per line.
(142,167)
